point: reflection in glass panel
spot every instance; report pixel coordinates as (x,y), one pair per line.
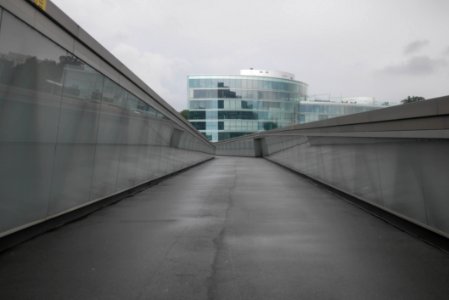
(27,59)
(81,81)
(31,73)
(50,121)
(113,93)
(31,80)
(144,107)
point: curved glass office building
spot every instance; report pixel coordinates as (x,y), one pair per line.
(224,107)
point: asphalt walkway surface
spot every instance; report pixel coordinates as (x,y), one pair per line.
(232,228)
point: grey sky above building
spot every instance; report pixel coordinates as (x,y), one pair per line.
(383,48)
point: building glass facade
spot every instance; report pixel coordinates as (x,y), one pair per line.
(311,111)
(223,107)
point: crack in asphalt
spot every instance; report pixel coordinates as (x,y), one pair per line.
(220,248)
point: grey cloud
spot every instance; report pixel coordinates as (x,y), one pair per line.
(416,65)
(415,46)
(446,51)
(167,40)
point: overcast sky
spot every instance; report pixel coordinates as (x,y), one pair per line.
(381,48)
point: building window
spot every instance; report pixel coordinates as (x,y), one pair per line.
(199,125)
(197,115)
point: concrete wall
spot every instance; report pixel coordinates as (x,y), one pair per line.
(394,158)
(236,147)
(76,126)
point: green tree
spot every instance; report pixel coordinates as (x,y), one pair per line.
(411,99)
(185,114)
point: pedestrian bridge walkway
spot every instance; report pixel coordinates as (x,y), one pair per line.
(79,131)
(231,228)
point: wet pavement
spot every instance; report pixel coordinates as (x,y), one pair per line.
(232,228)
